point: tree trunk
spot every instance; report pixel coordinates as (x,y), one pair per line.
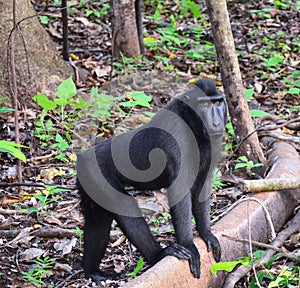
(232,81)
(125,22)
(39,67)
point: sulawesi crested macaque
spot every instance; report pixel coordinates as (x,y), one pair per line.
(178,150)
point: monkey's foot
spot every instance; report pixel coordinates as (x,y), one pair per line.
(100,276)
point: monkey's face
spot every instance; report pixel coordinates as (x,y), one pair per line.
(213,112)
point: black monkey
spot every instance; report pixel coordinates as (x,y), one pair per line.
(178,149)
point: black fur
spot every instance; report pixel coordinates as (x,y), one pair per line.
(207,121)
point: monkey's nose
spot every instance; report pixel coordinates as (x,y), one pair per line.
(216,120)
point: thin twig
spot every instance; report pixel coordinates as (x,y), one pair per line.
(20,184)
(277,126)
(64,14)
(268,217)
(15,90)
(285,254)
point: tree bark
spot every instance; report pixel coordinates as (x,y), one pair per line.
(125,29)
(39,67)
(232,81)
(267,185)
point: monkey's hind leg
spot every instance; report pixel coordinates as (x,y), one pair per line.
(96,236)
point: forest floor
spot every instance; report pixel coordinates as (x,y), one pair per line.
(46,224)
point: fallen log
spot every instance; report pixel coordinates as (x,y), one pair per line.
(283,163)
(266,185)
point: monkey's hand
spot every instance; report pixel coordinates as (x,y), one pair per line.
(177,251)
(187,253)
(212,243)
(194,261)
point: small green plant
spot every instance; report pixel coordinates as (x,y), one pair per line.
(79,233)
(272,65)
(228,266)
(103,104)
(102,13)
(249,93)
(82,4)
(12,149)
(62,112)
(137,98)
(293,84)
(229,136)
(165,60)
(156,16)
(282,4)
(139,266)
(39,270)
(128,65)
(263,13)
(186,6)
(45,198)
(254,112)
(44,19)
(5,109)
(217,183)
(163,219)
(287,277)
(246,163)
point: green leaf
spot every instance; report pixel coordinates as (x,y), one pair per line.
(282,277)
(256,164)
(62,143)
(81,104)
(63,102)
(140,99)
(195,55)
(258,113)
(44,19)
(49,125)
(296,74)
(6,109)
(223,266)
(137,269)
(40,197)
(229,128)
(240,165)
(272,259)
(243,158)
(10,147)
(249,93)
(43,101)
(259,254)
(294,91)
(66,89)
(229,265)
(273,62)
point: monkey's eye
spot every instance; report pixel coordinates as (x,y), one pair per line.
(206,104)
(218,103)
